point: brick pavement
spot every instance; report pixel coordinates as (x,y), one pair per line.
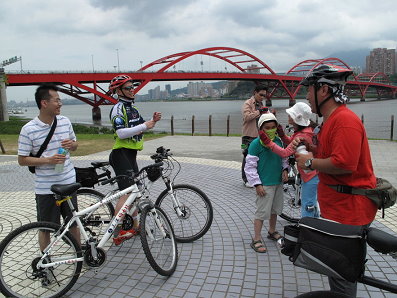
(221,264)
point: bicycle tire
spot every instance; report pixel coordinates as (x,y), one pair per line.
(292,207)
(20,250)
(197,212)
(98,219)
(160,251)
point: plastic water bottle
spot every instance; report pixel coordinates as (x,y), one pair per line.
(59,166)
(301,149)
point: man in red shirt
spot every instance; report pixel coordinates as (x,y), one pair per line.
(342,158)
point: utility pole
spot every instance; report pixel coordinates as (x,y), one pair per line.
(3,94)
(118,60)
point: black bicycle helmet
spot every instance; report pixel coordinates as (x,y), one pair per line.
(327,73)
(334,76)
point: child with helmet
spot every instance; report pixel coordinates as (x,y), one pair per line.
(266,171)
(128,126)
(299,117)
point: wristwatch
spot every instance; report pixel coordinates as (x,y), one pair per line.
(308,163)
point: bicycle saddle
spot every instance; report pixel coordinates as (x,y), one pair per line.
(381,241)
(65,189)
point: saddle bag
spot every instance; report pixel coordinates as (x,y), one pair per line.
(87,177)
(327,247)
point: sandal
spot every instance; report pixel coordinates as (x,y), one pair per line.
(258,245)
(274,236)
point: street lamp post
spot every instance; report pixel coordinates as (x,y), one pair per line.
(118,60)
(92,62)
(141,63)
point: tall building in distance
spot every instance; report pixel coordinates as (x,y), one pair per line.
(168,89)
(381,60)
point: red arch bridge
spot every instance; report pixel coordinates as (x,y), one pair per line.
(85,86)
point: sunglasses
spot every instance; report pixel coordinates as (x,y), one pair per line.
(132,87)
(262,94)
(129,88)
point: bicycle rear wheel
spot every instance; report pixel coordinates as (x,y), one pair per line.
(196,208)
(160,249)
(292,203)
(19,254)
(96,221)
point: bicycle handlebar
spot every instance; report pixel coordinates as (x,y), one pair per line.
(161,154)
(111,180)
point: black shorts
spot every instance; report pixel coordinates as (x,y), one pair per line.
(47,210)
(122,160)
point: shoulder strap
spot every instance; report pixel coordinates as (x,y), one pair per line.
(48,138)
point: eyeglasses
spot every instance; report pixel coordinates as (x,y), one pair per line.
(56,100)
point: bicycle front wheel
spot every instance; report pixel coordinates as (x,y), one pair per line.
(158,240)
(292,203)
(96,221)
(196,211)
(20,253)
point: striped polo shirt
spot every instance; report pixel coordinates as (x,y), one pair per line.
(31,138)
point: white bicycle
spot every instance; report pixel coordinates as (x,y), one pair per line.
(28,271)
(188,208)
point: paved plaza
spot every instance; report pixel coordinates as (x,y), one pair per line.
(222,263)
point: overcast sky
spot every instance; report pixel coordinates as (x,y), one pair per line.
(84,34)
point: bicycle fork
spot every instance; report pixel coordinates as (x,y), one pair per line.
(149,232)
(175,201)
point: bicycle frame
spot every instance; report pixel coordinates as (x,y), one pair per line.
(132,200)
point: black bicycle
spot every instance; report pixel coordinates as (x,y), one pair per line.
(188,208)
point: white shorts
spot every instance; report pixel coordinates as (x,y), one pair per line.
(271,203)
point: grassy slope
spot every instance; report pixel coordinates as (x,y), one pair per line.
(88,143)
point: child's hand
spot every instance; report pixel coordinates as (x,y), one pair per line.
(260,190)
(264,138)
(295,142)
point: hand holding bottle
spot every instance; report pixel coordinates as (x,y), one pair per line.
(59,166)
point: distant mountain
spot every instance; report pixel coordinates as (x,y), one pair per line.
(352,58)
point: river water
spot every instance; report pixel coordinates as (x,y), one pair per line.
(377,115)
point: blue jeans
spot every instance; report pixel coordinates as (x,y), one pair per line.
(309,198)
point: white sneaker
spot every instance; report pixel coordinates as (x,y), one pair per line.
(246,184)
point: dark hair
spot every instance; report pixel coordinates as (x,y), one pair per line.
(260,88)
(43,92)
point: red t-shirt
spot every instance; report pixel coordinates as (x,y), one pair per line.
(343,138)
